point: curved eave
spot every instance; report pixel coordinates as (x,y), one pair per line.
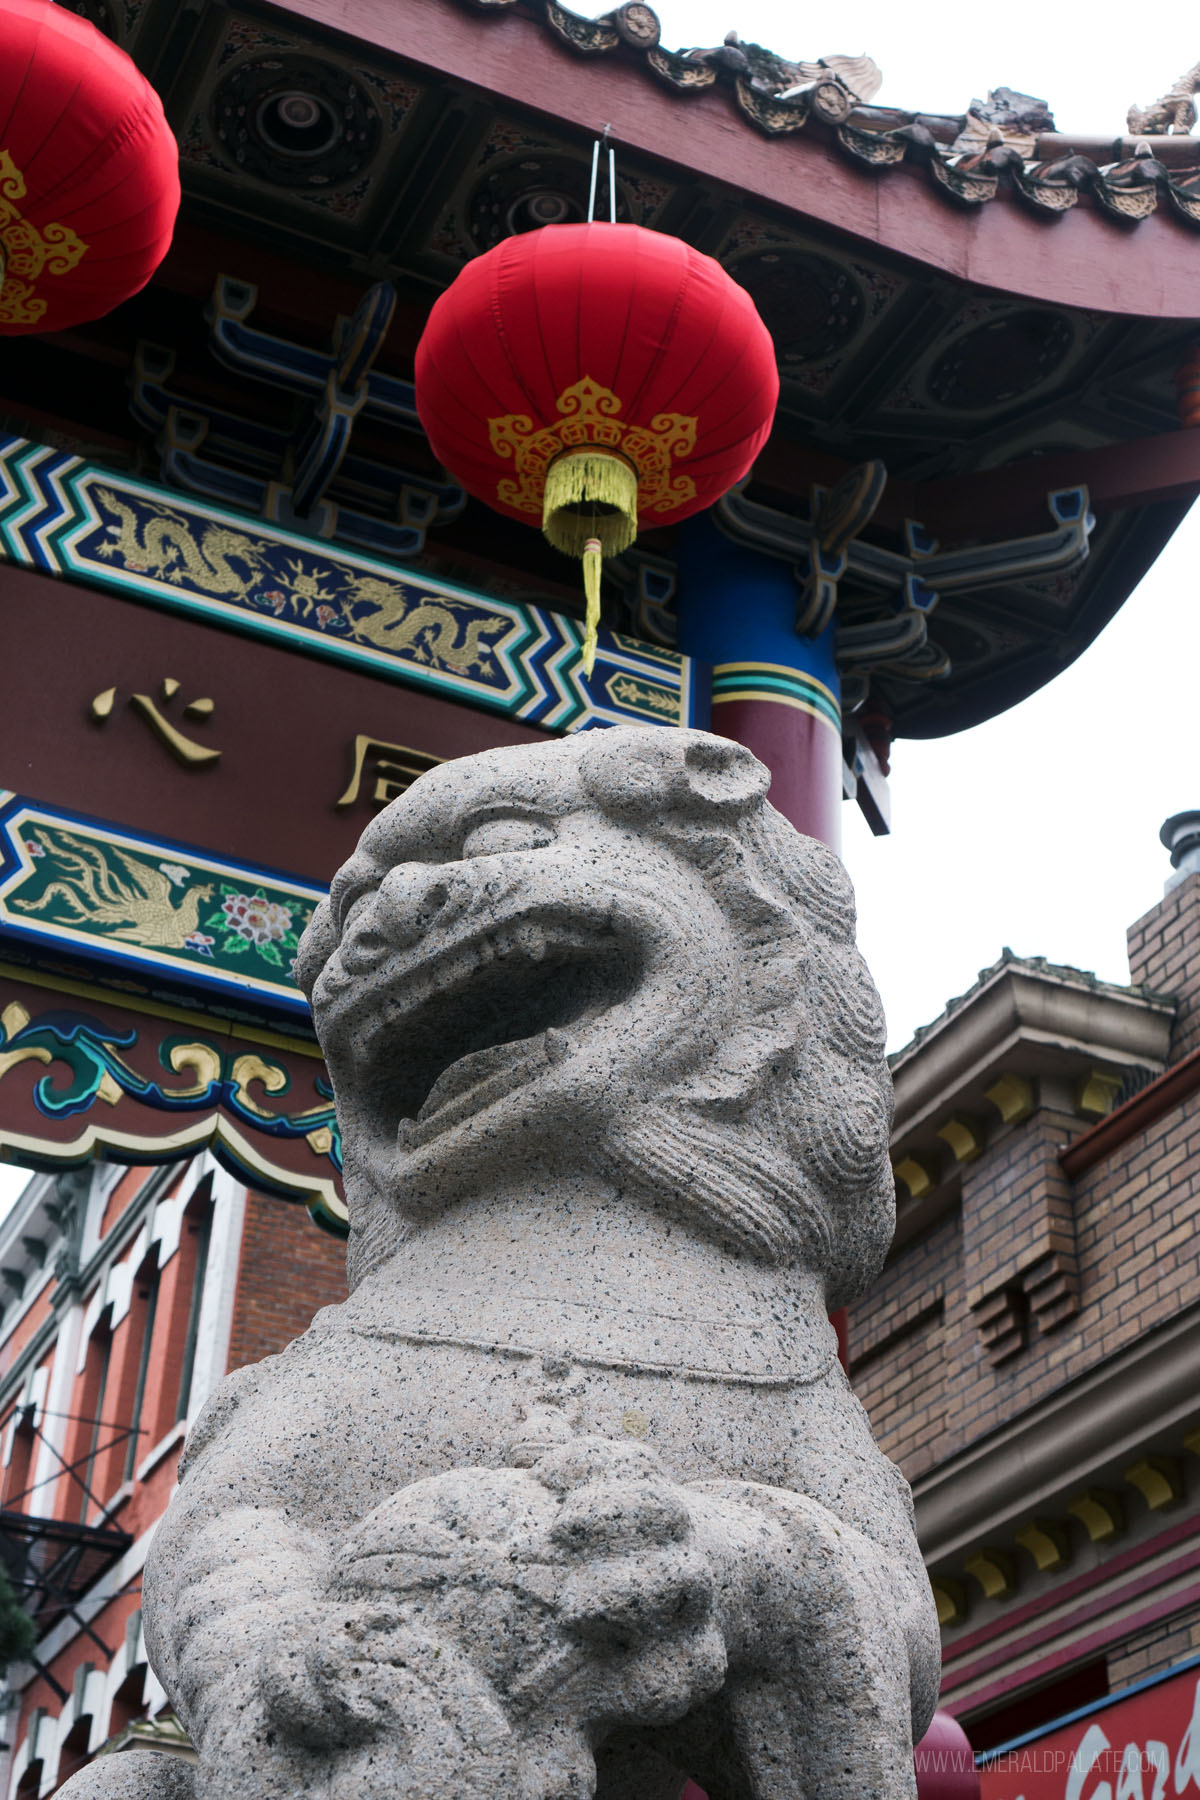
(939,709)
(1078,258)
(1141,492)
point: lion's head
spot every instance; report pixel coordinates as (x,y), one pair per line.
(607,953)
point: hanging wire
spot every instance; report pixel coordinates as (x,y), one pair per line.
(592,550)
(612,178)
(592,189)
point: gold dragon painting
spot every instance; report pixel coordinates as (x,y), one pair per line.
(235,566)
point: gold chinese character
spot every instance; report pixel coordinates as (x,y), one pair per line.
(392,768)
(185,750)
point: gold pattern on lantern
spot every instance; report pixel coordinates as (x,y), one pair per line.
(590,420)
(27,253)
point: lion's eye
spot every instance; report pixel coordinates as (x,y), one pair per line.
(491,837)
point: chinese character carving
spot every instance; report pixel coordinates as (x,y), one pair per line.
(390,767)
(184,749)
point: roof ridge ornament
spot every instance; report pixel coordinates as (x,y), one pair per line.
(1043,168)
(1173,114)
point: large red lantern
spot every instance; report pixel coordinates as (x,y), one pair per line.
(592,378)
(89,171)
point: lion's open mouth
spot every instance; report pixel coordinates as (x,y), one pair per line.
(487,1014)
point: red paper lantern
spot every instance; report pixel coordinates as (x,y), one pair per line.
(89,171)
(594,378)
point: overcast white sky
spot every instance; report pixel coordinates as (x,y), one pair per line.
(1039,830)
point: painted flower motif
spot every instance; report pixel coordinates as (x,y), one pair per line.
(175,873)
(33,848)
(326,615)
(257,919)
(275,598)
(200,942)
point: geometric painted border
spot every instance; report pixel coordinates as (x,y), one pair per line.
(66,517)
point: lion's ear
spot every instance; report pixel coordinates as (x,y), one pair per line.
(647,774)
(723,774)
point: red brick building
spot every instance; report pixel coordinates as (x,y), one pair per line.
(1031,1354)
(129,1294)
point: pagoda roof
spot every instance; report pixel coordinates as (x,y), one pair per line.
(994,321)
(911,182)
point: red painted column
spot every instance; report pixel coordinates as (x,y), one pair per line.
(801,747)
(779,694)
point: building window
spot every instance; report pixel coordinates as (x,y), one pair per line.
(88,1436)
(197,1235)
(20,1462)
(144,1311)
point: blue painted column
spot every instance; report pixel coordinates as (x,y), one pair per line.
(777,693)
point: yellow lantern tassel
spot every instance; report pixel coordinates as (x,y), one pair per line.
(592,557)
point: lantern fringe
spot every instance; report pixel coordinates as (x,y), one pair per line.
(592,557)
(590,494)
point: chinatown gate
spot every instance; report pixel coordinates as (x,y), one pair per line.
(244,607)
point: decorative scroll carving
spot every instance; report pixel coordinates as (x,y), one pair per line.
(84,1073)
(590,36)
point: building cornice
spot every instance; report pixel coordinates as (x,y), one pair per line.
(1025,1009)
(1171,1088)
(1029,1033)
(1083,1435)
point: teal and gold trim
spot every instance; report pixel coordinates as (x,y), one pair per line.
(777,683)
(64,516)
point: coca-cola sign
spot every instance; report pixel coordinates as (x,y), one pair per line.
(1141,1745)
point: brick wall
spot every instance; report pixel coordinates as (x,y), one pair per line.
(899,1339)
(1164,953)
(289,1269)
(921,1355)
(1160,1647)
(1027,1281)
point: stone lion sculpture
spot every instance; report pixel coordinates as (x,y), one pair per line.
(571,1496)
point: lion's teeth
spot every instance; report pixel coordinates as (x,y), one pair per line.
(558,1045)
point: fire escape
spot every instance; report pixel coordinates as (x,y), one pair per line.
(52,1562)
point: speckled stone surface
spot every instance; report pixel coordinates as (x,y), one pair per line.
(133,1775)
(571,1495)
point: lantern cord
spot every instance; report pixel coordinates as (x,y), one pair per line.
(612,178)
(591,587)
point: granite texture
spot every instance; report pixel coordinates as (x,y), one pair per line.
(134,1775)
(571,1495)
